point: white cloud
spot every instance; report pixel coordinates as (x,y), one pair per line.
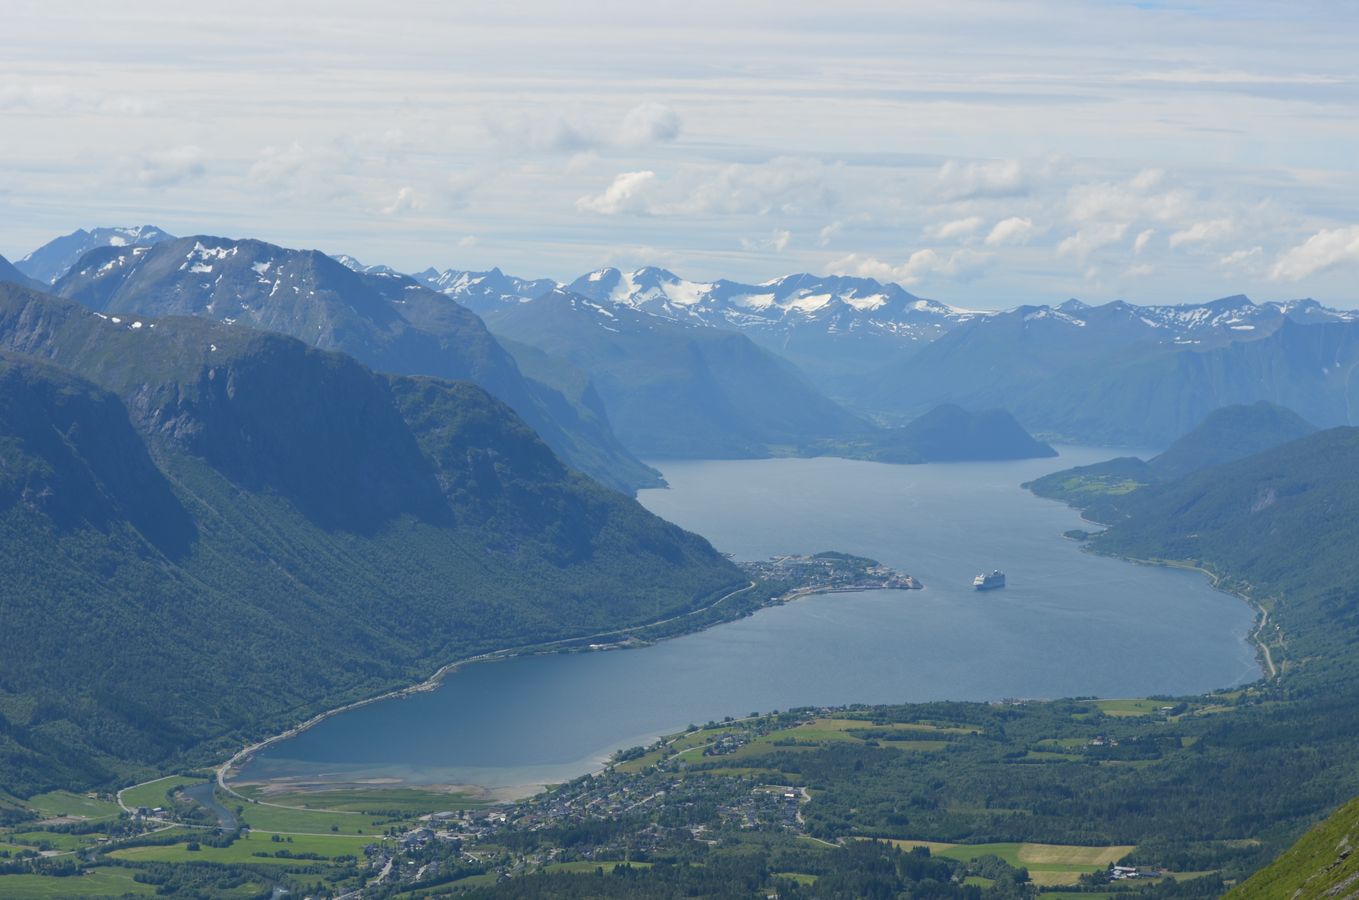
(1014,230)
(277,165)
(468,240)
(778,242)
(52,99)
(963,181)
(785,185)
(788,185)
(1203,232)
(1128,201)
(571,132)
(1323,250)
(406,200)
(545,133)
(582,162)
(1143,238)
(458,187)
(649,123)
(626,194)
(125,105)
(1091,238)
(1141,270)
(36,97)
(1242,258)
(160,168)
(828,232)
(955,229)
(1147,179)
(959,265)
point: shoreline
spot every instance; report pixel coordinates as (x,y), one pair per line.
(1268,670)
(243,755)
(590,642)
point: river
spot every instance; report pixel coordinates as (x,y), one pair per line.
(1068,624)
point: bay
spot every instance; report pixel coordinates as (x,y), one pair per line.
(1068,623)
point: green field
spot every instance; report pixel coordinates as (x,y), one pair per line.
(56,840)
(101,882)
(65,803)
(1048,864)
(152,793)
(408,801)
(243,850)
(274,818)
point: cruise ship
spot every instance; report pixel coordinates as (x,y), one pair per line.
(984,582)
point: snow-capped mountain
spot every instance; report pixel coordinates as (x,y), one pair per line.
(802,304)
(484,291)
(835,304)
(54,259)
(1228,320)
(354,265)
(386,320)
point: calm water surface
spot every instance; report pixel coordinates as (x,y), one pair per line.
(1068,624)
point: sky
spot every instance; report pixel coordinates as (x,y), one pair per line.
(983,153)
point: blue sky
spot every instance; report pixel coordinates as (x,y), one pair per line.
(983,153)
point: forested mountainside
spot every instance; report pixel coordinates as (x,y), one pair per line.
(387,321)
(211,532)
(1225,435)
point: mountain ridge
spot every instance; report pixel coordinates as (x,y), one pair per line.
(386,320)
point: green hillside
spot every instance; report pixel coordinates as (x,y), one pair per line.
(949,433)
(1224,435)
(210,533)
(1321,864)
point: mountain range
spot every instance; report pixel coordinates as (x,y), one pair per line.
(1072,371)
(651,386)
(387,321)
(820,360)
